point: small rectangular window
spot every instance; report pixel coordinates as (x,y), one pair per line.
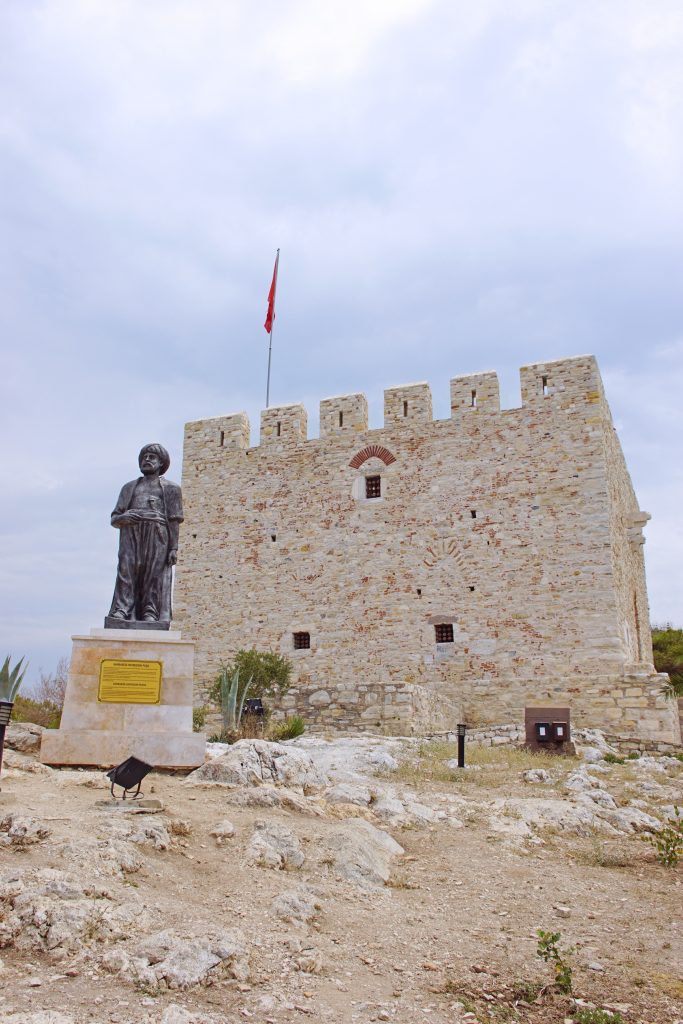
(405,408)
(302,641)
(473,513)
(473,400)
(222,438)
(373,487)
(341,419)
(278,428)
(544,382)
(444,632)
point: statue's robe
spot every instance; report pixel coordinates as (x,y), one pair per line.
(144,577)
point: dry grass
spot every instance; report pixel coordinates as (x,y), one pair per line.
(621,853)
(490,767)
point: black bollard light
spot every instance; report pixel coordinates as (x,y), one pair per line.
(461,744)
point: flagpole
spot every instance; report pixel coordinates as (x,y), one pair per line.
(270,350)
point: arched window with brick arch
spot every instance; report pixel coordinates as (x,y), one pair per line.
(371,463)
(373,451)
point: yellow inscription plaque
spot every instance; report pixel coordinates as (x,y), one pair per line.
(129,682)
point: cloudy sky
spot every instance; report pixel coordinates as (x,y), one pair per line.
(454,186)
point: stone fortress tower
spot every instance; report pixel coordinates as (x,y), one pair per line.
(431,571)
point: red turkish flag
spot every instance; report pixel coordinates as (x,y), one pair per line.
(270,315)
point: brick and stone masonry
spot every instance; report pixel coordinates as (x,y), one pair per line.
(444,570)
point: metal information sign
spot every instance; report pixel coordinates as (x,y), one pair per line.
(129,682)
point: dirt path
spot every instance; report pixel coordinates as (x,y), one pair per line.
(452,936)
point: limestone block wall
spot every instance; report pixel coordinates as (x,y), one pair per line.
(457,568)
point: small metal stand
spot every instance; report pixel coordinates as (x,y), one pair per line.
(461,744)
(129,773)
(5,715)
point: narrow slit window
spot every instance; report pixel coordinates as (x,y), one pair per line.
(544,382)
(341,419)
(405,408)
(279,428)
(302,641)
(419,591)
(473,399)
(444,632)
(473,513)
(471,589)
(273,537)
(222,438)
(373,487)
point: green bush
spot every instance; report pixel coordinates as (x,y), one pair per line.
(667,651)
(549,950)
(585,1015)
(614,759)
(668,842)
(43,713)
(289,729)
(269,673)
(198,718)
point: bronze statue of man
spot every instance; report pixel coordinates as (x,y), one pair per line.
(148,515)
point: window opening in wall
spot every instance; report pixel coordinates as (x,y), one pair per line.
(419,591)
(471,590)
(544,382)
(302,641)
(405,408)
(444,632)
(341,419)
(278,428)
(473,513)
(273,537)
(473,400)
(194,536)
(222,438)
(373,487)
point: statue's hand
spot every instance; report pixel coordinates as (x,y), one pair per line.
(172,556)
(133,515)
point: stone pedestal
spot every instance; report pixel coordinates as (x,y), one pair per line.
(104,734)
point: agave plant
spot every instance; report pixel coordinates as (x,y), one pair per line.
(232,700)
(11,681)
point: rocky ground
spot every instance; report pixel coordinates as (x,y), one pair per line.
(351,880)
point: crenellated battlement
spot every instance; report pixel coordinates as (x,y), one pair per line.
(559,384)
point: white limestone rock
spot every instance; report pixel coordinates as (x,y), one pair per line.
(222,830)
(24,736)
(273,796)
(102,857)
(537,775)
(347,793)
(538,814)
(255,762)
(390,809)
(274,846)
(599,797)
(181,962)
(296,907)
(142,832)
(592,755)
(580,781)
(361,853)
(55,913)
(632,819)
(21,830)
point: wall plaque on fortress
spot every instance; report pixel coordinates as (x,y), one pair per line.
(129,682)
